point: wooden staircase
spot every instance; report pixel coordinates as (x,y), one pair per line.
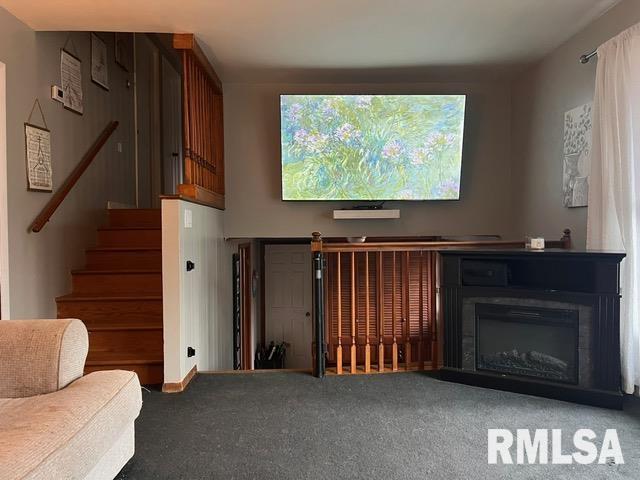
(118,295)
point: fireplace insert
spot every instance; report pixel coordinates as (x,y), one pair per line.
(527,341)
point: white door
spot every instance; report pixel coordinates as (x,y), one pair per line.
(288,301)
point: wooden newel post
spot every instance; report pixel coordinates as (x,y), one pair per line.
(318,306)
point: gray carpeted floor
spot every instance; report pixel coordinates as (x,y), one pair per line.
(405,426)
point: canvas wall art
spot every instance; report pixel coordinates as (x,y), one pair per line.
(371,147)
(99,66)
(577,156)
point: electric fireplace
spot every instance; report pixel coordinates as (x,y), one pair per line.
(542,323)
(529,342)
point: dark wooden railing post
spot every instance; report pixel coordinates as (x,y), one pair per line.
(380,310)
(318,305)
(58,197)
(421,313)
(339,347)
(433,263)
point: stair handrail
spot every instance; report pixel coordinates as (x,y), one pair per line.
(54,202)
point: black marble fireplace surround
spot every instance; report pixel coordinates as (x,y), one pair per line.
(544,323)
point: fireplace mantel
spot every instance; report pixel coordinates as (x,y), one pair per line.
(583,282)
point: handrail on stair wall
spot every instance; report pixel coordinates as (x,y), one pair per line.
(58,197)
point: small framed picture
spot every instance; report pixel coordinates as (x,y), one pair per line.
(122,50)
(99,63)
(38,158)
(71,81)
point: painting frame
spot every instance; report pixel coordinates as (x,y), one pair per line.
(73,69)
(120,50)
(99,62)
(576,163)
(31,163)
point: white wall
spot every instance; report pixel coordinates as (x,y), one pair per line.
(252,155)
(40,263)
(197,304)
(541,95)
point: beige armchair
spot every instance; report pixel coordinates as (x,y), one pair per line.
(54,422)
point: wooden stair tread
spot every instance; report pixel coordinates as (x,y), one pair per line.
(102,229)
(117,359)
(78,297)
(123,326)
(135,209)
(124,249)
(118,295)
(84,271)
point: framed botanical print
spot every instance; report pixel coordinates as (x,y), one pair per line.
(38,158)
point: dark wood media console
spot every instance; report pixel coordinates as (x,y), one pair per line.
(544,323)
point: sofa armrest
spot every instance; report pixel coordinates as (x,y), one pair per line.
(40,356)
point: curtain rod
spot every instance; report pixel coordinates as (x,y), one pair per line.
(587,56)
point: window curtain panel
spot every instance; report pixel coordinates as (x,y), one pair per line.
(613,219)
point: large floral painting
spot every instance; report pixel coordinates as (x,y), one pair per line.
(371,147)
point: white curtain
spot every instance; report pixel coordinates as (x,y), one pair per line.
(614,184)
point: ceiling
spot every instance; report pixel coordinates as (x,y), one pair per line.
(268,40)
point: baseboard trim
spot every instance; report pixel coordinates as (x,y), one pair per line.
(255,371)
(180,386)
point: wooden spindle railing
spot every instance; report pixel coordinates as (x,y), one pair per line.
(203,140)
(405,310)
(411,281)
(380,298)
(394,346)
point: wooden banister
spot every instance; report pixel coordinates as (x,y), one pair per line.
(202,124)
(403,294)
(565,242)
(58,197)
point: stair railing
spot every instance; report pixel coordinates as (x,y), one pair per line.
(54,202)
(377,300)
(202,124)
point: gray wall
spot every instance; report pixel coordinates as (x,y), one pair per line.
(40,262)
(541,95)
(252,154)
